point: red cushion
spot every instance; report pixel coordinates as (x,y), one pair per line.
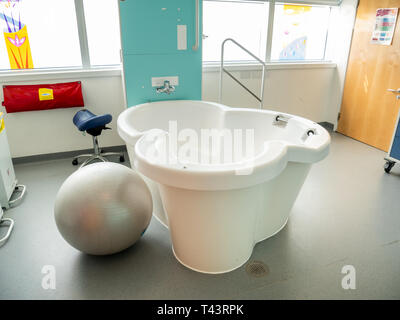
(42,96)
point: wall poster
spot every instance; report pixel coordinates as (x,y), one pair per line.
(385,23)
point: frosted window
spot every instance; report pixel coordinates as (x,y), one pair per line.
(39,34)
(102,25)
(245,22)
(300,32)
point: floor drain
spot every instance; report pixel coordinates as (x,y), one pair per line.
(257,269)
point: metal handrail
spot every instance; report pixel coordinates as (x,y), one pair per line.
(222,70)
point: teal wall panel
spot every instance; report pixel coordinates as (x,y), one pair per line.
(149,46)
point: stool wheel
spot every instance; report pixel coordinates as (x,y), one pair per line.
(75,162)
(122,159)
(388,166)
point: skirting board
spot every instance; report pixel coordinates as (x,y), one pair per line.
(64,155)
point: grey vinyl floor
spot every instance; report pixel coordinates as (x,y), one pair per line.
(348,213)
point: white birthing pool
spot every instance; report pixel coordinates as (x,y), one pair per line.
(222,179)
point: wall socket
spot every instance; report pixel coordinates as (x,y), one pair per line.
(159,81)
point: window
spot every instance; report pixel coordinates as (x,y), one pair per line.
(102,25)
(40,34)
(245,22)
(46,33)
(299,32)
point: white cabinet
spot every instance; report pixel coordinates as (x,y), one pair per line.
(8,181)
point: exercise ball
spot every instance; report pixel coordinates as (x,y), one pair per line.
(103,208)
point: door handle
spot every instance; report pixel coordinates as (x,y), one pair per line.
(394,91)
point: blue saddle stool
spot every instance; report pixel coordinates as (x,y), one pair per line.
(93,124)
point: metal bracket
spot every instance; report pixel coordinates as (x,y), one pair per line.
(19,188)
(10,227)
(281,118)
(222,70)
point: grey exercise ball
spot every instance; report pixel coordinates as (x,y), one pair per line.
(103,208)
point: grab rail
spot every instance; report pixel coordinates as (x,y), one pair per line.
(197,26)
(222,70)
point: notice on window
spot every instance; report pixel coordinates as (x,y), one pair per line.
(385,23)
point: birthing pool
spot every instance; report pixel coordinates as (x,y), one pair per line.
(218,208)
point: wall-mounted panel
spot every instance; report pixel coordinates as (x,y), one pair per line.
(157,40)
(139,73)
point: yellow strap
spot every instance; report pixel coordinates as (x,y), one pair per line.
(1,122)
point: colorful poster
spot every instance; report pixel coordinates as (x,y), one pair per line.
(15,35)
(294,37)
(385,24)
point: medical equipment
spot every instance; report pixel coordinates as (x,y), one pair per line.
(393,156)
(10,226)
(8,181)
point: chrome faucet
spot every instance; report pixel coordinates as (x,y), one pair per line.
(167,88)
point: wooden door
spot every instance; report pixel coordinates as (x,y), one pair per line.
(369,110)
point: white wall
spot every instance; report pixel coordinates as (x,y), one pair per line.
(304,92)
(300,91)
(50,131)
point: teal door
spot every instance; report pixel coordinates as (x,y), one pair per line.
(152,48)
